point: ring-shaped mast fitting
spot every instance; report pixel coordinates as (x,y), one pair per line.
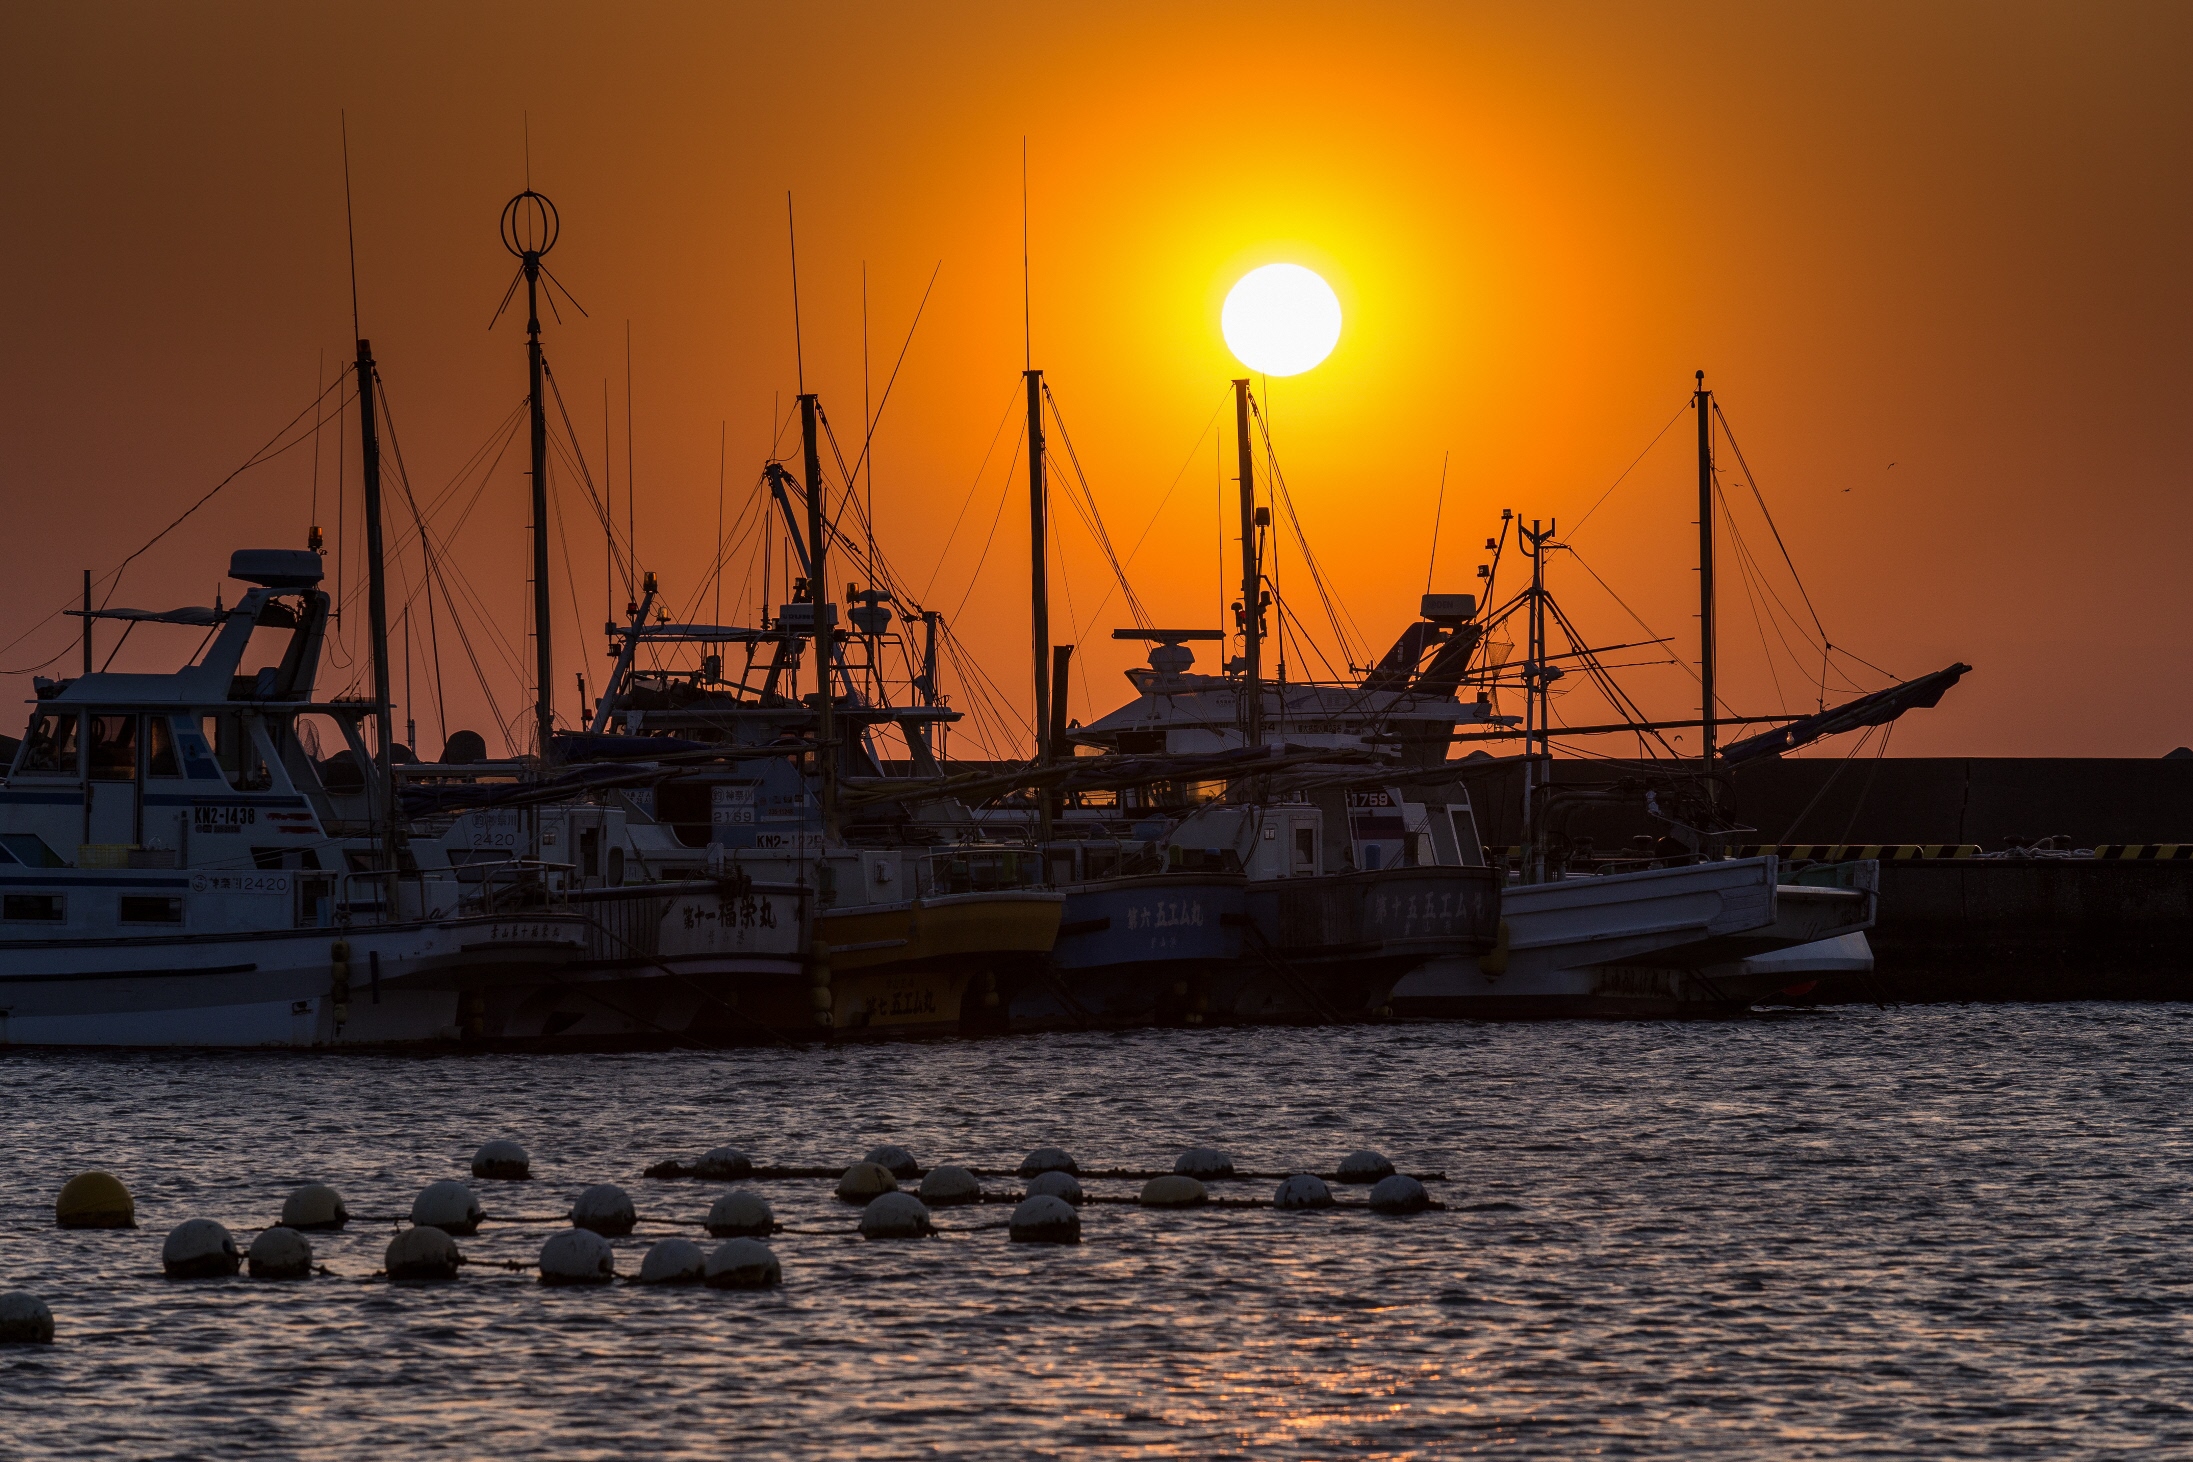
(530,225)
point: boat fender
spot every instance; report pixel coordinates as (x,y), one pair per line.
(502,1160)
(1364,1166)
(895,1216)
(577,1256)
(1399,1194)
(1494,962)
(1204,1162)
(673,1261)
(314,1206)
(722,1164)
(895,1160)
(1045,1219)
(947,1185)
(1173,1191)
(25,1320)
(606,1209)
(1056,1184)
(743,1264)
(818,979)
(1048,1160)
(741,1216)
(95,1200)
(449,1206)
(1303,1190)
(280,1253)
(422,1253)
(199,1248)
(864,1180)
(338,988)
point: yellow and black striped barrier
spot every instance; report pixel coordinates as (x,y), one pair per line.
(2146,852)
(1845,852)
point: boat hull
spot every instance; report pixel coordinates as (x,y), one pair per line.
(942,965)
(1333,947)
(1695,940)
(420,983)
(1136,952)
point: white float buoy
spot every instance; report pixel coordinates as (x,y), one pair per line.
(894,1216)
(1204,1162)
(1365,1166)
(1057,1183)
(1399,1194)
(743,1264)
(422,1253)
(895,1160)
(1045,1219)
(864,1180)
(25,1320)
(577,1256)
(1303,1190)
(449,1206)
(673,1261)
(281,1253)
(720,1164)
(1173,1191)
(95,1200)
(606,1209)
(1048,1160)
(741,1215)
(502,1160)
(947,1185)
(315,1206)
(199,1248)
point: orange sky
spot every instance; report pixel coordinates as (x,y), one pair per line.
(1952,238)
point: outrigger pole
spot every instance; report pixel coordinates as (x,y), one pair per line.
(1039,585)
(1709,711)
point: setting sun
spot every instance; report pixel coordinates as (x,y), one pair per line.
(1281,319)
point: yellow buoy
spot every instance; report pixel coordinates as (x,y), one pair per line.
(95,1200)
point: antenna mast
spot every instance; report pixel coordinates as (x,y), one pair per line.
(1252,609)
(529,230)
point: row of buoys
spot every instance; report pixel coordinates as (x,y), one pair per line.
(1205,1164)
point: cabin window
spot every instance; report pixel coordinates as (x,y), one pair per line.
(42,908)
(590,851)
(1100,862)
(1061,862)
(138,908)
(113,748)
(1305,850)
(50,745)
(160,749)
(31,850)
(616,866)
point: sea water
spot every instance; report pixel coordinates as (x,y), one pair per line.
(1939,1232)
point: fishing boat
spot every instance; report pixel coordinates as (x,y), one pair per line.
(1204,887)
(175,872)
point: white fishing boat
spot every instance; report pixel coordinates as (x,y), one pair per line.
(174,872)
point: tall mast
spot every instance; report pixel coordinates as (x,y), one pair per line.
(818,580)
(369,451)
(1039,580)
(1252,618)
(1709,712)
(529,230)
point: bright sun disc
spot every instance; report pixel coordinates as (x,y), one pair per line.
(1281,320)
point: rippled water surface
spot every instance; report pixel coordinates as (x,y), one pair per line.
(1932,1232)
